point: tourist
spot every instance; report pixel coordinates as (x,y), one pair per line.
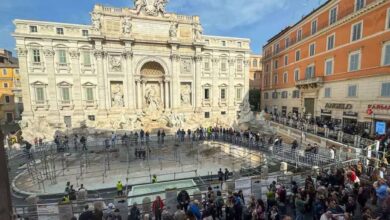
(219,203)
(193,209)
(147,138)
(183,199)
(86,214)
(67,187)
(220,176)
(83,141)
(158,136)
(109,212)
(179,214)
(227,173)
(113,139)
(162,136)
(72,193)
(154,178)
(238,206)
(259,212)
(229,208)
(119,188)
(75,142)
(135,214)
(107,143)
(157,208)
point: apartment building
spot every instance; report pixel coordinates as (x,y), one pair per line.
(333,64)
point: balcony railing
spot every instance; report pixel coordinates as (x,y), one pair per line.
(314,82)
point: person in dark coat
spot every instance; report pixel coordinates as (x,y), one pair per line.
(183,199)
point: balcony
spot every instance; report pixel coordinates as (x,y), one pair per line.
(40,104)
(90,104)
(63,104)
(310,83)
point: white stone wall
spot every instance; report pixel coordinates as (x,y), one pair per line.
(182,57)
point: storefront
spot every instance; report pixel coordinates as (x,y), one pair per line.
(284,111)
(380,117)
(326,115)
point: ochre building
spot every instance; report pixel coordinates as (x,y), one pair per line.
(333,64)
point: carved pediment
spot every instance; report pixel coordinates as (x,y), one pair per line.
(88,84)
(38,83)
(64,84)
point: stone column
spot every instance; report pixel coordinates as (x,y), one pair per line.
(101,83)
(167,105)
(143,82)
(51,92)
(161,83)
(138,98)
(25,84)
(230,92)
(131,97)
(77,89)
(198,83)
(175,80)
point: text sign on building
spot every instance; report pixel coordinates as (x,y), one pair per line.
(377,107)
(380,127)
(338,106)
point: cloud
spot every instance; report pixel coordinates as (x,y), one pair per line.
(224,15)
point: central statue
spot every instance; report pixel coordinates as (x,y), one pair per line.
(150,7)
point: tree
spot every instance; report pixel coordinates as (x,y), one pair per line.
(254,99)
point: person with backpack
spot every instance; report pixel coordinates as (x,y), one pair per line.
(238,204)
(219,203)
(135,214)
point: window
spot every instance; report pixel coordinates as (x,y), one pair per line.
(330,42)
(4,72)
(7,99)
(310,72)
(296,75)
(254,63)
(356,33)
(16,71)
(275,79)
(10,116)
(312,49)
(266,68)
(359,4)
(287,42)
(33,29)
(62,56)
(285,77)
(207,115)
(223,94)
(238,93)
(223,65)
(5,85)
(385,91)
(85,33)
(255,76)
(223,113)
(354,61)
(87,58)
(207,65)
(207,41)
(274,95)
(239,44)
(65,94)
(314,27)
(276,64)
(89,94)
(276,48)
(91,117)
(224,43)
(286,60)
(327,93)
(206,93)
(297,55)
(333,15)
(352,91)
(284,95)
(60,31)
(266,95)
(39,94)
(386,54)
(239,65)
(295,94)
(329,66)
(388,19)
(36,56)
(299,35)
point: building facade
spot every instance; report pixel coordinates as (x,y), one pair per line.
(10,101)
(131,67)
(333,64)
(255,72)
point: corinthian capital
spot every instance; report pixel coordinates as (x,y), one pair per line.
(74,54)
(48,52)
(127,54)
(22,52)
(98,53)
(198,58)
(175,57)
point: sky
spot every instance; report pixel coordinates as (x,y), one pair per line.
(257,20)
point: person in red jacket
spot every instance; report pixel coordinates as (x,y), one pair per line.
(157,207)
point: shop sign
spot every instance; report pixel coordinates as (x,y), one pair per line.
(326,111)
(379,107)
(380,127)
(338,106)
(350,114)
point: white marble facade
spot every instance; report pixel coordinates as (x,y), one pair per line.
(133,65)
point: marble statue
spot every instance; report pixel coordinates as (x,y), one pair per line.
(174,120)
(173,30)
(96,23)
(198,31)
(117,95)
(152,99)
(139,4)
(246,114)
(160,5)
(126,24)
(185,95)
(150,7)
(115,63)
